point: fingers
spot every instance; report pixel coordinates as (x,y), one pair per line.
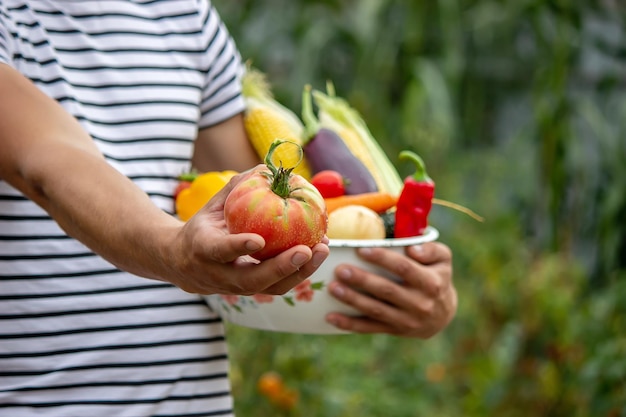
(273,276)
(357,287)
(405,312)
(212,260)
(365,325)
(424,320)
(293,266)
(431,274)
(228,248)
(360,325)
(430,253)
(435,258)
(422,304)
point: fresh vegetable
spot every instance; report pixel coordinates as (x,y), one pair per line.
(355,222)
(182,185)
(283,207)
(266,120)
(199,191)
(325,150)
(415,200)
(389,219)
(336,114)
(184,182)
(329,183)
(377,201)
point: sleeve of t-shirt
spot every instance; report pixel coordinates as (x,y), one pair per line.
(221,95)
(5,37)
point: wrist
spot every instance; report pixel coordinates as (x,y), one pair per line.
(163,252)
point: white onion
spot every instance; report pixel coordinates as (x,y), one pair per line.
(355,222)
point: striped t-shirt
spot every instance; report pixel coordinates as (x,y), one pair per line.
(78,337)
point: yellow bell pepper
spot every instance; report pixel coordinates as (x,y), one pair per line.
(202,189)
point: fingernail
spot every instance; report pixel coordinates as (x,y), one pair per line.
(299,259)
(318,258)
(365,251)
(344,273)
(332,319)
(418,248)
(252,246)
(338,291)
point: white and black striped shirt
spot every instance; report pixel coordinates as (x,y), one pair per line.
(78,337)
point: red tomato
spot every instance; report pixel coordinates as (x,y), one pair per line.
(329,183)
(284,208)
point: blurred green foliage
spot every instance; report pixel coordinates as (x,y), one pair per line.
(519,110)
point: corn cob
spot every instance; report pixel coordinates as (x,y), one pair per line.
(266,120)
(336,114)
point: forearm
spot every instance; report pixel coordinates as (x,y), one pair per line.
(49,157)
(97,205)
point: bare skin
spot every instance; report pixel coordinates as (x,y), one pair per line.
(51,159)
(421,306)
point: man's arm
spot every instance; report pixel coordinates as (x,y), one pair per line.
(224,146)
(49,157)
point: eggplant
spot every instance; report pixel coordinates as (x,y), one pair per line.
(325,150)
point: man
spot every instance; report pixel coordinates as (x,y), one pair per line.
(102,105)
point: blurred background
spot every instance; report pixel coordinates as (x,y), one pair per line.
(519,110)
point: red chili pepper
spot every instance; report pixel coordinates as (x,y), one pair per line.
(415,200)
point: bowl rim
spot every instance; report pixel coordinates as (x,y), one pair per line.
(430,234)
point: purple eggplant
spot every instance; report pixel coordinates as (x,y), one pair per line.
(325,150)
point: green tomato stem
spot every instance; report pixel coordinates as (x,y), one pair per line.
(280,176)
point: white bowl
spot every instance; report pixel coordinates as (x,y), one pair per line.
(302,310)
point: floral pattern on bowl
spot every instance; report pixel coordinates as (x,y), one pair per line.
(303,292)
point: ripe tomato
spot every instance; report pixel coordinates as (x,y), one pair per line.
(284,208)
(329,183)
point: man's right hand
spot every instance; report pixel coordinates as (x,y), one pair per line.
(206,259)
